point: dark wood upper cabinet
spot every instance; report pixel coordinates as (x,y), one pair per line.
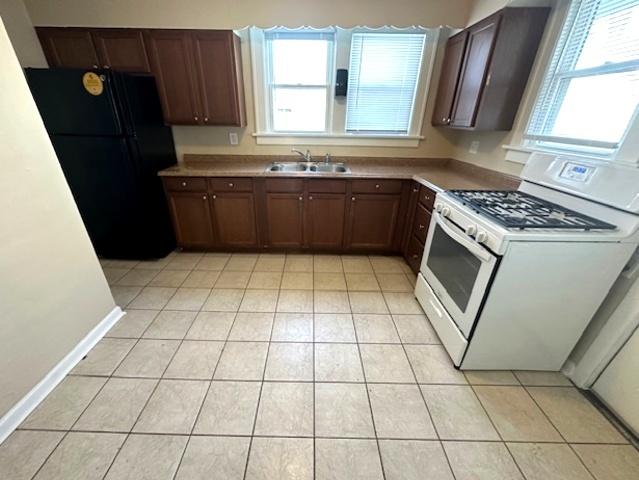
(122,49)
(497,54)
(325,214)
(453,58)
(219,73)
(234,215)
(68,47)
(191,217)
(285,220)
(372,221)
(171,58)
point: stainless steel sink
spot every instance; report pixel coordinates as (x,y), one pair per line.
(330,168)
(299,167)
(287,167)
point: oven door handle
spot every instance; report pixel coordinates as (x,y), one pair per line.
(470,245)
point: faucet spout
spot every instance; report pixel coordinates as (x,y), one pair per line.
(305,155)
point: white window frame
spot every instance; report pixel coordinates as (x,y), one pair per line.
(627,151)
(336,134)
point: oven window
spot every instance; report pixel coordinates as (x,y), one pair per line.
(454,266)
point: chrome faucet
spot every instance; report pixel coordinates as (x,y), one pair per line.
(306,156)
(327,158)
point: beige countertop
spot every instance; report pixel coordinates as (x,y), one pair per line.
(438,174)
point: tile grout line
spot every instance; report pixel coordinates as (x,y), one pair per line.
(421,393)
(368,397)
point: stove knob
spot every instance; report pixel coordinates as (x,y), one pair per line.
(471,230)
(445,211)
(481,237)
(438,207)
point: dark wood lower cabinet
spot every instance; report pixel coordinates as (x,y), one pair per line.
(234,219)
(192,221)
(285,220)
(372,221)
(414,253)
(325,215)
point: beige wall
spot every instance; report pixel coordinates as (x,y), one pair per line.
(52,290)
(21,32)
(236,15)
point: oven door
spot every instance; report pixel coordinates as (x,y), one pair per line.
(458,269)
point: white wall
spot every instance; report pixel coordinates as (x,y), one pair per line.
(21,33)
(52,290)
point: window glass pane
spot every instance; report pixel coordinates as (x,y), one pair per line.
(601,116)
(299,109)
(383,74)
(300,62)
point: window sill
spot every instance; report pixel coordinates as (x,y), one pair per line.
(337,139)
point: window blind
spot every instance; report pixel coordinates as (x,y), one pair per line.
(382,78)
(591,89)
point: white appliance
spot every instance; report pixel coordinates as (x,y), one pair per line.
(510,280)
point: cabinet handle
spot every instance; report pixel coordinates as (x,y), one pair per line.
(231,185)
(426,197)
(421,227)
(184,184)
(352,199)
(414,255)
(415,190)
(95,66)
(106,67)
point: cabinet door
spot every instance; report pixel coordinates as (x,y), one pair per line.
(219,76)
(171,56)
(191,217)
(285,217)
(481,39)
(449,78)
(372,221)
(121,49)
(234,215)
(68,47)
(325,220)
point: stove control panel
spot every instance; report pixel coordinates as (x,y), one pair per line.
(576,172)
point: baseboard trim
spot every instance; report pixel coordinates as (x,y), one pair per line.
(10,421)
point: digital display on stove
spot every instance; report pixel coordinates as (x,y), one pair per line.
(576,172)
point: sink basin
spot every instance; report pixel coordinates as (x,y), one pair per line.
(330,168)
(287,167)
(298,167)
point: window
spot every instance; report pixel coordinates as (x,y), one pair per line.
(294,74)
(383,74)
(588,100)
(298,75)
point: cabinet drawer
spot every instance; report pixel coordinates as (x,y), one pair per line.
(185,184)
(377,186)
(326,186)
(427,198)
(420,225)
(284,185)
(231,184)
(414,253)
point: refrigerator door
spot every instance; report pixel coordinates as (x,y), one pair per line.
(100,175)
(68,108)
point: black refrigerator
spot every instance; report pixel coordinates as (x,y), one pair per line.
(109,135)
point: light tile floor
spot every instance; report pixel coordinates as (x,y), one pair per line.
(298,367)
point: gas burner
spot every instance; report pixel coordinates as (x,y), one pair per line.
(519,210)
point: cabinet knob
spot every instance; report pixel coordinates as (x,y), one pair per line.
(204,197)
(184,184)
(300,198)
(415,190)
(352,199)
(310,198)
(421,227)
(206,119)
(106,66)
(426,197)
(444,120)
(214,197)
(377,185)
(231,185)
(195,118)
(95,66)
(414,255)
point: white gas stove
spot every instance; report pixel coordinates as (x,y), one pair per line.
(511,279)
